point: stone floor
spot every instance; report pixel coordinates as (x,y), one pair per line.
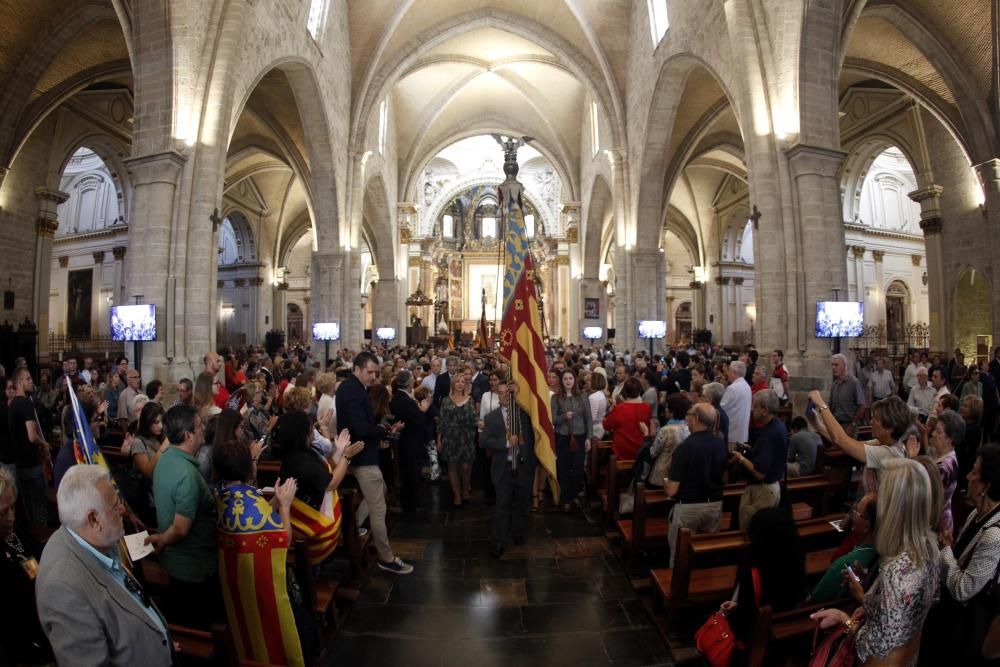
(560,599)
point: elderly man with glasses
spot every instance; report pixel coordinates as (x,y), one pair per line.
(695,479)
(126,398)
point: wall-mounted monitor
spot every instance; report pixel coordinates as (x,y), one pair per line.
(839,319)
(385,333)
(652,329)
(131,323)
(593,333)
(326,331)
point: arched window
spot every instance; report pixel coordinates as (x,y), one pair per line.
(317,18)
(658,20)
(486,217)
(448,226)
(529,225)
(595,131)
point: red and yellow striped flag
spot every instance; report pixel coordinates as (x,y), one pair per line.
(321,532)
(521,330)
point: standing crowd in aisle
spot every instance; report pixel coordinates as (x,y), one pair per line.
(922,536)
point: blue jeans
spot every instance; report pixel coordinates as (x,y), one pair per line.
(569,467)
(33,491)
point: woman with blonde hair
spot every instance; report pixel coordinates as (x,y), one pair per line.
(457,438)
(326,412)
(888,623)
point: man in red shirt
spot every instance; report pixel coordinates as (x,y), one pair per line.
(779,376)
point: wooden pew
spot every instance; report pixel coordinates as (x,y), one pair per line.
(610,495)
(320,595)
(705,565)
(596,457)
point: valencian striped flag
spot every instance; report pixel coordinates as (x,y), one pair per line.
(253,549)
(521,329)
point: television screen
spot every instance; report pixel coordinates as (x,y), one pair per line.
(326,331)
(133,322)
(652,329)
(593,333)
(385,333)
(839,319)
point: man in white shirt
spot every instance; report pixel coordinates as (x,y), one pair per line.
(910,374)
(736,402)
(880,381)
(922,396)
(431,378)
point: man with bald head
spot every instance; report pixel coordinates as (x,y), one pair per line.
(695,479)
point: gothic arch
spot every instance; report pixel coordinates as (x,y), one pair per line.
(111,151)
(600,210)
(382,240)
(653,186)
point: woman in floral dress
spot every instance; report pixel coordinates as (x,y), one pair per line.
(457,437)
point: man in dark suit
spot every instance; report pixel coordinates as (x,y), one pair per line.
(442,387)
(407,410)
(480,382)
(512,471)
(92,610)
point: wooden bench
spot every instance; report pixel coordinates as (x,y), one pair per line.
(596,457)
(320,595)
(705,565)
(611,494)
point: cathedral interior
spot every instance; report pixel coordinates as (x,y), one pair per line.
(252,167)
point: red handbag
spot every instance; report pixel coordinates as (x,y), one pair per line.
(715,639)
(837,649)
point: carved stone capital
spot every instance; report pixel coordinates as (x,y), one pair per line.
(858,251)
(722,280)
(119,252)
(99,257)
(694,284)
(738,280)
(220,284)
(239,282)
(924,194)
(878,255)
(916,259)
(46,226)
(931,226)
(63,262)
(256,282)
(572,234)
(53,196)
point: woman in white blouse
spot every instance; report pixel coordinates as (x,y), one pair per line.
(598,398)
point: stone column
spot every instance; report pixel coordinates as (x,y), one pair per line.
(647,290)
(698,318)
(385,299)
(815,266)
(99,312)
(256,326)
(119,285)
(929,199)
(155,179)
(858,259)
(46,225)
(240,311)
(326,278)
(989,175)
(879,305)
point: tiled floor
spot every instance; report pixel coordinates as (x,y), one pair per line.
(560,599)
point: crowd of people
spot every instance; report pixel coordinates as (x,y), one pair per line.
(693,419)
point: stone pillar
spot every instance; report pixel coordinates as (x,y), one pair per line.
(929,199)
(989,175)
(385,299)
(256,326)
(46,224)
(879,301)
(326,278)
(858,266)
(648,287)
(119,284)
(99,313)
(811,272)
(155,179)
(698,316)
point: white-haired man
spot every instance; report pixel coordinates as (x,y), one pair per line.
(91,609)
(848,401)
(736,403)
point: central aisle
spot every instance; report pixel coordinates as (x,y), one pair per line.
(560,599)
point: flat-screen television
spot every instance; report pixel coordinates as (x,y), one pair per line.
(326,331)
(132,323)
(593,333)
(385,333)
(652,329)
(839,319)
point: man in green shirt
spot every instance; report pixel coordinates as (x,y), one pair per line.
(862,522)
(186,514)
